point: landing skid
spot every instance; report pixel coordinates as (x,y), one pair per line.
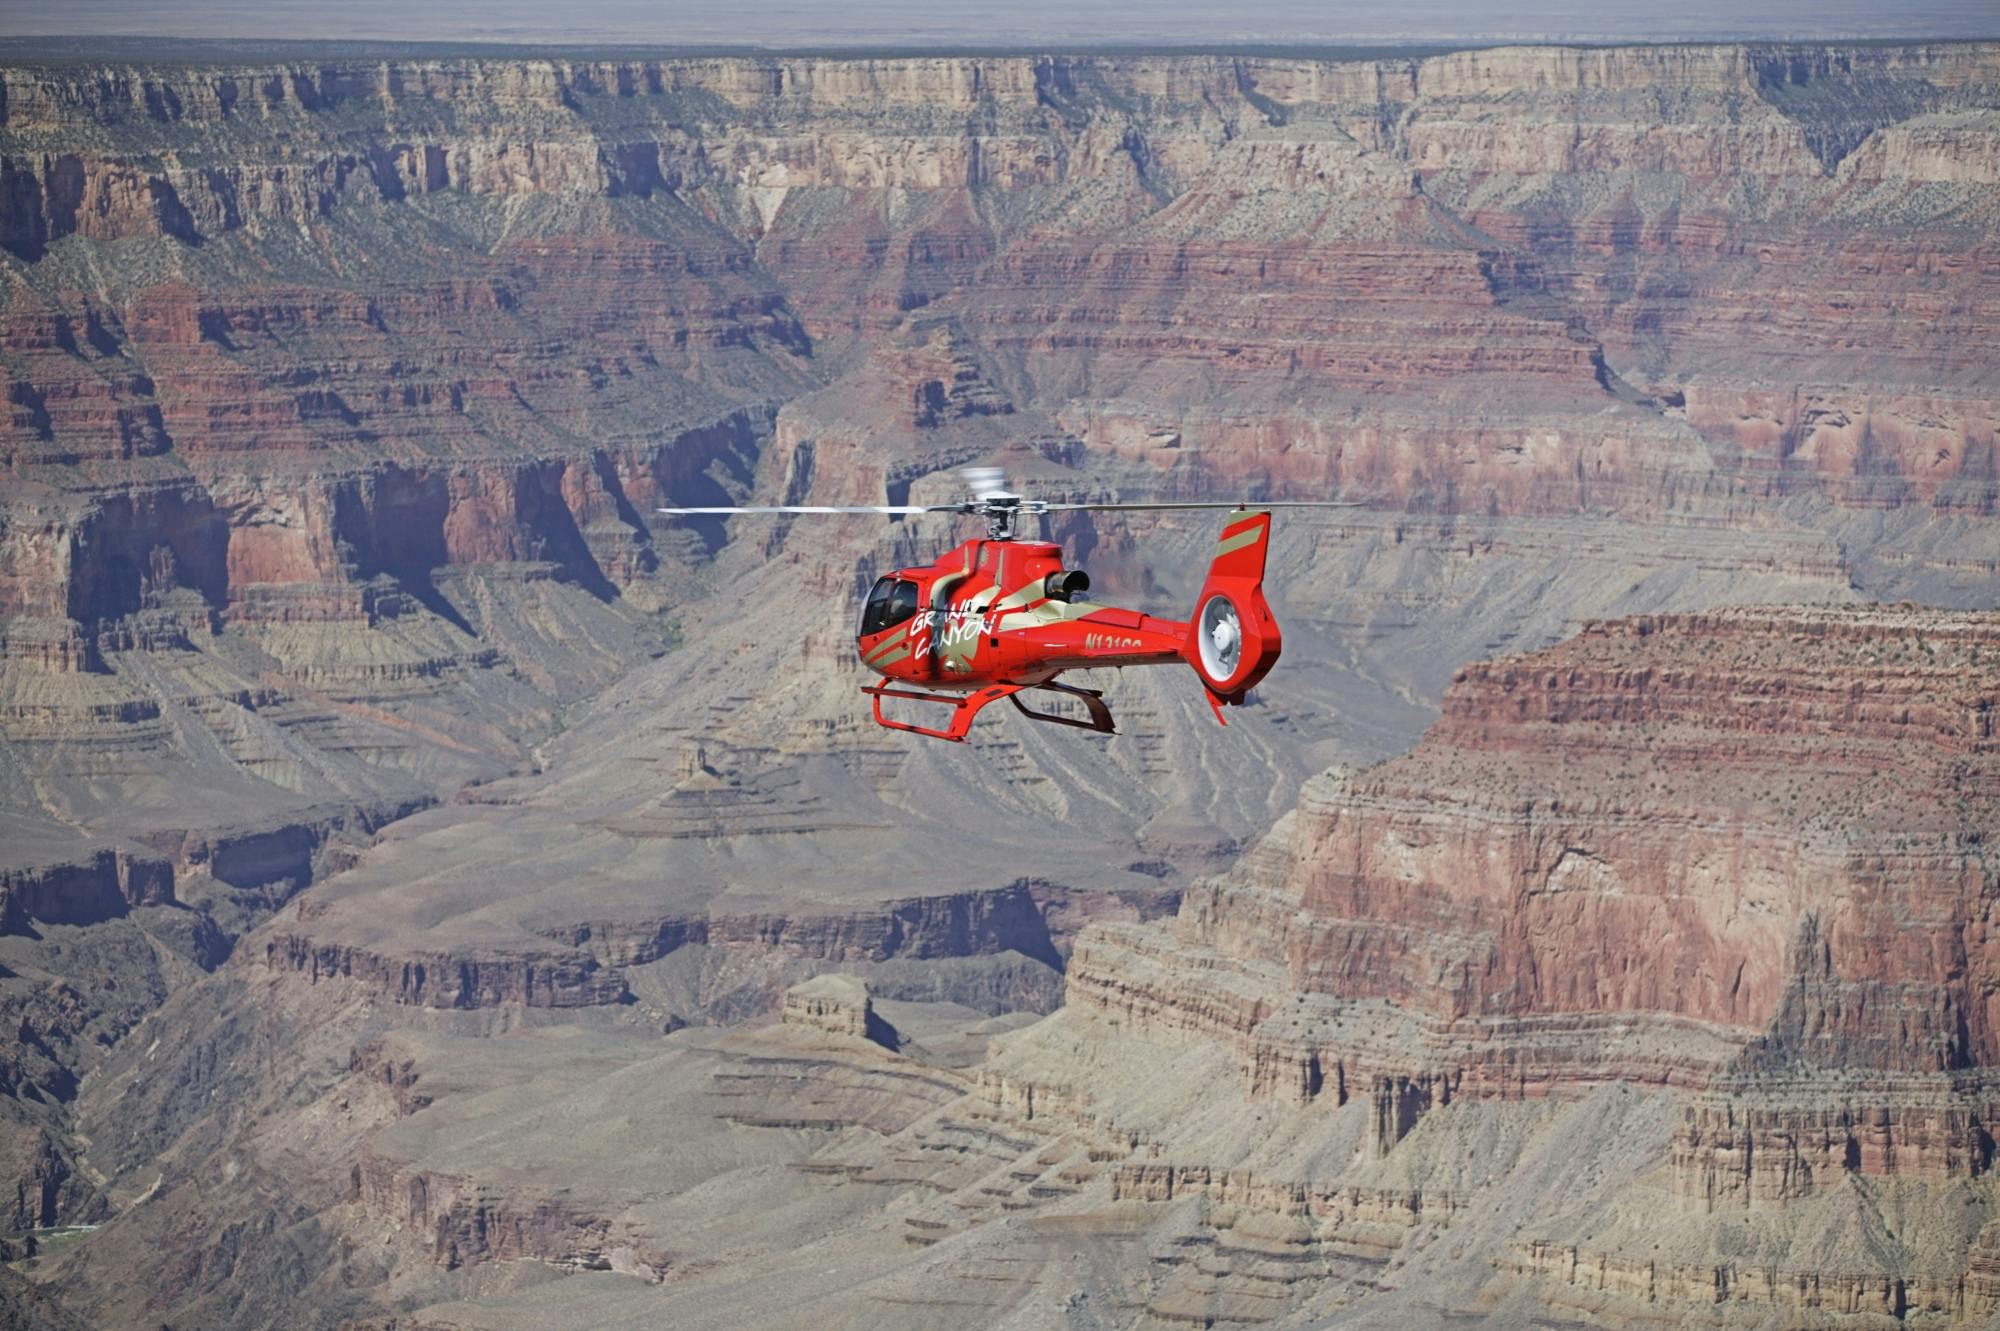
(966,707)
(1093,702)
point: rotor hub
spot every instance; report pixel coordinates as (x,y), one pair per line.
(1002,511)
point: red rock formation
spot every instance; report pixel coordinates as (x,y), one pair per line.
(1729,864)
(1657,778)
(1726,1152)
(1406,255)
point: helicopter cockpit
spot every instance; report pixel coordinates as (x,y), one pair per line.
(892,601)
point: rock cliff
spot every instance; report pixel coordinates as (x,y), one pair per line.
(1732,861)
(345,669)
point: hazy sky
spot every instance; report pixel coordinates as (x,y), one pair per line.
(999,22)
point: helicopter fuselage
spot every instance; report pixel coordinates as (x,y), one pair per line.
(983,615)
(994,617)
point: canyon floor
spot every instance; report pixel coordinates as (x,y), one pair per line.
(438,892)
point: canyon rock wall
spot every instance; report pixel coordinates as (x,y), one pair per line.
(1370,1073)
(1733,860)
(344,663)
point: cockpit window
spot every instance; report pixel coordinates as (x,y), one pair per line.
(892,601)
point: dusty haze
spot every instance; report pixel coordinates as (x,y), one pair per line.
(1037,23)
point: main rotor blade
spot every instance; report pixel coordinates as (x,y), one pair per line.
(816,508)
(1208,503)
(981,481)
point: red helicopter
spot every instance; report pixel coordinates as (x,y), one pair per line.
(999,616)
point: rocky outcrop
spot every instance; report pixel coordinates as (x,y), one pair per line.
(316,551)
(385,1063)
(1727,1152)
(105,884)
(1795,1291)
(585,964)
(1331,1203)
(466,1225)
(835,1003)
(453,981)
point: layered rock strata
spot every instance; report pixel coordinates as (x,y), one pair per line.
(1513,1094)
(1736,857)
(339,393)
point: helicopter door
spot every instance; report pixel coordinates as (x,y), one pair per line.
(892,601)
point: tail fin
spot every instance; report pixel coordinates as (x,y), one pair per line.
(1233,638)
